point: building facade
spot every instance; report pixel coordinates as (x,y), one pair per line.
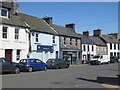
(70,41)
(44,41)
(101,47)
(88,46)
(111,41)
(14,43)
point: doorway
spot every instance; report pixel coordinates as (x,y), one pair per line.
(8,54)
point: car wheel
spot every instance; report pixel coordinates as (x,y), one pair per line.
(99,63)
(45,68)
(17,70)
(30,69)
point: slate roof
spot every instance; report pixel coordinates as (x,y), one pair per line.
(63,31)
(14,20)
(86,40)
(97,41)
(109,38)
(37,24)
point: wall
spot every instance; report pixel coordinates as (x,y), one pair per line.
(44,39)
(10,43)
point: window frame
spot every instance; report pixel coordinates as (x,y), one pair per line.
(36,37)
(1,12)
(17,34)
(5,33)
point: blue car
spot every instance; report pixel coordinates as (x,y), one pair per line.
(32,64)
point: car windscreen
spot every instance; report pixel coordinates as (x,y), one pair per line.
(96,57)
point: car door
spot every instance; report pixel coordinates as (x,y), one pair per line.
(6,65)
(40,64)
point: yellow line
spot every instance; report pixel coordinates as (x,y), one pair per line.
(110,86)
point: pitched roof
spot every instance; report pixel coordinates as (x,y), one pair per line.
(97,41)
(37,24)
(64,31)
(86,40)
(109,38)
(14,20)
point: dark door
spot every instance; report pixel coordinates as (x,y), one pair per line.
(8,54)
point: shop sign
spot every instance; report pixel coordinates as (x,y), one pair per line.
(45,48)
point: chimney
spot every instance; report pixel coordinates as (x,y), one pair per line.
(115,35)
(48,19)
(86,33)
(71,26)
(97,32)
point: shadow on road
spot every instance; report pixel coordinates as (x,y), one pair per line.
(104,80)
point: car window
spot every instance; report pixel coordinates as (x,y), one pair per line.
(38,61)
(23,61)
(0,59)
(32,60)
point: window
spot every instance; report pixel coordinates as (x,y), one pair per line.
(18,55)
(92,48)
(70,41)
(84,48)
(88,48)
(114,46)
(114,53)
(76,42)
(5,32)
(4,12)
(118,46)
(64,40)
(111,46)
(36,37)
(111,54)
(16,33)
(53,39)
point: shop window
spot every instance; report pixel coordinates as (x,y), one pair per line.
(36,37)
(5,32)
(16,33)
(53,39)
(18,55)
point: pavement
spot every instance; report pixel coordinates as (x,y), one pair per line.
(76,76)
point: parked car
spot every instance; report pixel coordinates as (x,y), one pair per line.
(32,64)
(57,63)
(100,59)
(113,59)
(8,66)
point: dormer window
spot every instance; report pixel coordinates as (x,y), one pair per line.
(4,12)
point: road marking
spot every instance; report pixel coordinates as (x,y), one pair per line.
(110,86)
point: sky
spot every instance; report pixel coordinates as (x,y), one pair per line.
(86,15)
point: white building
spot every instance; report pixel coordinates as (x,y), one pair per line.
(14,43)
(112,44)
(44,40)
(88,46)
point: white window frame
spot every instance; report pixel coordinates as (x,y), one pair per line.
(1,13)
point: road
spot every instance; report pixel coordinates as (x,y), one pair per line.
(80,76)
